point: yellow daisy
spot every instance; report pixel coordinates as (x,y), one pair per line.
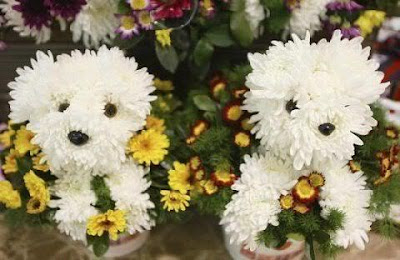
(369,20)
(155,123)
(174,200)
(113,222)
(39,163)
(9,196)
(10,164)
(40,195)
(163,37)
(179,177)
(23,142)
(6,136)
(163,85)
(149,147)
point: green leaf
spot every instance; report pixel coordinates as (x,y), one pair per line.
(205,103)
(123,7)
(220,36)
(278,20)
(168,57)
(240,28)
(24,165)
(101,244)
(203,52)
(103,194)
(296,236)
(237,5)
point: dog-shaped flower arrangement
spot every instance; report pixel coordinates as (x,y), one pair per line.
(310,104)
(84,112)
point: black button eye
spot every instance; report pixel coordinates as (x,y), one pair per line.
(110,110)
(326,128)
(291,105)
(63,106)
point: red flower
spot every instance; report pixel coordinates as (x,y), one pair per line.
(171,8)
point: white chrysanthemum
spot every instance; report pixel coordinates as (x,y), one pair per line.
(255,14)
(74,204)
(96,23)
(128,190)
(347,192)
(16,21)
(82,86)
(256,204)
(307,16)
(297,87)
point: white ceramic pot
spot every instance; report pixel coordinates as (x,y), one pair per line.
(292,250)
(126,244)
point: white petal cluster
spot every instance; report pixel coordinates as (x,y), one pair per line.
(256,204)
(255,14)
(128,190)
(15,20)
(347,192)
(96,23)
(329,82)
(307,16)
(87,82)
(75,204)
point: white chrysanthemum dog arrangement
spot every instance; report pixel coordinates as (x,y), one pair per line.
(310,103)
(82,111)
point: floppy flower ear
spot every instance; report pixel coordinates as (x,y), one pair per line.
(29,90)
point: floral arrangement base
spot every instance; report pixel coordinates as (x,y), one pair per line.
(127,244)
(291,250)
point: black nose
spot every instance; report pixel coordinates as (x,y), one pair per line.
(326,128)
(78,138)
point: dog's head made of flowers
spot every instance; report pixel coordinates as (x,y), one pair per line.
(311,100)
(83,107)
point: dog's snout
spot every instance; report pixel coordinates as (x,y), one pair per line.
(78,138)
(326,128)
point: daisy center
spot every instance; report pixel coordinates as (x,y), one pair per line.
(127,22)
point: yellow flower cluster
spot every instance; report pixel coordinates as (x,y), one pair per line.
(174,200)
(9,196)
(155,123)
(163,85)
(369,20)
(40,195)
(113,222)
(149,147)
(6,136)
(23,142)
(164,37)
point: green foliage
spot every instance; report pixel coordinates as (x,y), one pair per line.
(220,36)
(203,52)
(168,57)
(100,244)
(239,25)
(386,228)
(103,194)
(213,204)
(205,103)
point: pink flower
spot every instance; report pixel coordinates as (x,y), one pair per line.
(171,9)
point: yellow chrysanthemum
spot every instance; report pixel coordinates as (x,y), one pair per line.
(149,147)
(369,20)
(179,177)
(155,123)
(163,37)
(242,139)
(36,205)
(113,222)
(39,163)
(6,136)
(163,85)
(138,4)
(10,164)
(40,195)
(23,142)
(9,196)
(174,200)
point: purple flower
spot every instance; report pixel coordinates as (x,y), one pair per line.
(350,32)
(344,5)
(67,9)
(34,12)
(128,26)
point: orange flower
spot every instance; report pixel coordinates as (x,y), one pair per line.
(244,123)
(223,178)
(232,112)
(286,201)
(392,132)
(238,93)
(316,179)
(242,139)
(304,192)
(194,163)
(354,166)
(199,127)
(209,187)
(217,85)
(301,208)
(190,140)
